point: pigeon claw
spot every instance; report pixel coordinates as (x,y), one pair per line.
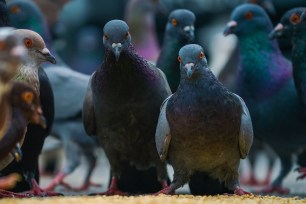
(239,191)
(167,191)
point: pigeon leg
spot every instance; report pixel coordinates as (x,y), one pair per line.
(113,189)
(38,192)
(285,169)
(302,171)
(56,181)
(239,191)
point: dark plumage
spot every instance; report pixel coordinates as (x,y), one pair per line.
(31,72)
(202,126)
(292,27)
(4,21)
(265,82)
(122,104)
(179,32)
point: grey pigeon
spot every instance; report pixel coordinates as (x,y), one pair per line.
(179,32)
(122,105)
(202,126)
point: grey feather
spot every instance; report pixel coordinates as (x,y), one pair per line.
(163,135)
(246,130)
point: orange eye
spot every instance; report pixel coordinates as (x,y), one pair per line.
(28,42)
(179,58)
(201,55)
(174,22)
(248,15)
(15,9)
(106,37)
(294,18)
(28,96)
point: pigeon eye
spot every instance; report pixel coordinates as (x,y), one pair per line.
(28,97)
(201,55)
(174,22)
(294,18)
(106,37)
(28,42)
(179,58)
(15,9)
(127,35)
(248,15)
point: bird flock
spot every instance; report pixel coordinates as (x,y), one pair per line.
(147,104)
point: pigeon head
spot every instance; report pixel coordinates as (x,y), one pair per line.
(289,24)
(116,37)
(181,24)
(24,97)
(265,4)
(26,15)
(248,19)
(11,53)
(192,60)
(36,47)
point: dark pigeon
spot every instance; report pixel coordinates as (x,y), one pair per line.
(122,105)
(292,27)
(265,83)
(179,32)
(202,126)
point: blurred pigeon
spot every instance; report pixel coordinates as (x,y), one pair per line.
(24,107)
(30,72)
(3,14)
(202,126)
(292,26)
(67,86)
(179,32)
(139,15)
(265,83)
(125,122)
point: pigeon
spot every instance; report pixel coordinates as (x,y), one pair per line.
(31,73)
(24,106)
(265,83)
(122,104)
(140,15)
(202,126)
(291,27)
(67,85)
(179,32)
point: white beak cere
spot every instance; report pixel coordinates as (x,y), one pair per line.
(188,28)
(119,45)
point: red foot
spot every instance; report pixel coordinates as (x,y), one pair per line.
(8,194)
(38,192)
(252,181)
(55,182)
(276,189)
(239,191)
(168,191)
(302,171)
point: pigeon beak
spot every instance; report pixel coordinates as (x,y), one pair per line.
(189,32)
(277,32)
(189,69)
(117,50)
(16,152)
(47,55)
(39,119)
(230,28)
